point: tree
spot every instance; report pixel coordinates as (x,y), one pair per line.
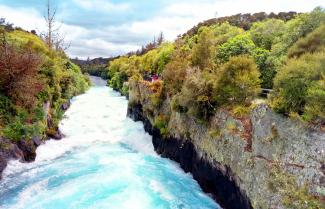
(313,42)
(52,36)
(174,73)
(265,33)
(160,38)
(18,72)
(238,82)
(299,84)
(297,28)
(203,51)
(238,45)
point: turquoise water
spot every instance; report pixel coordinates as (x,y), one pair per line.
(106,161)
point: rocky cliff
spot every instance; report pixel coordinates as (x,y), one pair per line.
(25,149)
(261,160)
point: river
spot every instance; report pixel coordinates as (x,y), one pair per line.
(105,161)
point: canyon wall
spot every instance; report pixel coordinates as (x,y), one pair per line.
(261,160)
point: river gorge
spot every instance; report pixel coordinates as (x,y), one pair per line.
(105,160)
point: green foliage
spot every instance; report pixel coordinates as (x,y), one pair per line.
(163,57)
(125,89)
(7,110)
(264,34)
(117,81)
(203,51)
(315,105)
(222,65)
(238,82)
(240,44)
(297,28)
(223,32)
(19,127)
(240,110)
(32,76)
(161,123)
(196,96)
(174,73)
(299,84)
(313,42)
(95,70)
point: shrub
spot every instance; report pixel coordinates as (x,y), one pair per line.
(125,89)
(243,45)
(30,75)
(265,33)
(298,83)
(175,71)
(240,44)
(266,67)
(297,28)
(313,42)
(15,131)
(203,51)
(161,123)
(164,56)
(18,73)
(238,82)
(196,96)
(7,109)
(315,101)
(156,89)
(117,81)
(223,32)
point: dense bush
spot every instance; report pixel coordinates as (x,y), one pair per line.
(297,28)
(196,97)
(203,51)
(265,33)
(238,82)
(31,74)
(298,86)
(18,69)
(240,44)
(174,73)
(235,83)
(243,45)
(314,42)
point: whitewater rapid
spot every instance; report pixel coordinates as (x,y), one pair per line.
(105,161)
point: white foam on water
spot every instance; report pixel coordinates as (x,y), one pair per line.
(105,160)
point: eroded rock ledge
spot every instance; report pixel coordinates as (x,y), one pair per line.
(214,178)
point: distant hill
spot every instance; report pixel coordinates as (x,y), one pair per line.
(96,61)
(95,67)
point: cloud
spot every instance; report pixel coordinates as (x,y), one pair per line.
(29,19)
(102,5)
(103,28)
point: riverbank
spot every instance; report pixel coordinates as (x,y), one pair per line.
(24,150)
(261,160)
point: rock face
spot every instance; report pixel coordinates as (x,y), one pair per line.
(262,160)
(25,150)
(214,179)
(8,151)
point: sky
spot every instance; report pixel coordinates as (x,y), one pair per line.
(106,28)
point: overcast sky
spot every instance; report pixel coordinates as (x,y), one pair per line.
(104,28)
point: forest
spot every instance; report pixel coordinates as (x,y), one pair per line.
(227,63)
